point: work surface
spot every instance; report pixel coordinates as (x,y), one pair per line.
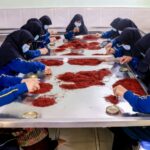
(76,108)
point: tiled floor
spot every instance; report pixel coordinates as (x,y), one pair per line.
(84,139)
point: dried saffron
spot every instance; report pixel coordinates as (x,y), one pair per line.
(83,79)
(44,101)
(57,37)
(94,43)
(78,44)
(111,98)
(93,46)
(64,46)
(59,50)
(44,87)
(90,37)
(131,84)
(51,62)
(90,62)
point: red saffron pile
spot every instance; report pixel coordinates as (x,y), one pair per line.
(64,46)
(78,44)
(90,37)
(57,37)
(44,87)
(113,99)
(59,50)
(51,62)
(90,62)
(93,46)
(131,84)
(44,101)
(83,79)
(94,43)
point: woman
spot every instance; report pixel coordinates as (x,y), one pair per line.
(120,26)
(43,38)
(139,50)
(46,22)
(124,43)
(76,27)
(46,37)
(125,23)
(34,26)
(12,87)
(138,104)
(12,50)
(111,34)
(28,139)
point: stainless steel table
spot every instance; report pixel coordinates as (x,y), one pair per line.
(76,108)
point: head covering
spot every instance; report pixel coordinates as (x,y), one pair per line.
(34,27)
(143,65)
(33,20)
(12,46)
(82,28)
(141,46)
(45,20)
(115,22)
(129,36)
(124,23)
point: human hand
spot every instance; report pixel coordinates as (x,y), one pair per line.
(119,90)
(43,51)
(125,59)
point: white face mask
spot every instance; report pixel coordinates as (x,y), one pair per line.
(114,29)
(25,48)
(46,27)
(126,47)
(120,32)
(77,24)
(36,37)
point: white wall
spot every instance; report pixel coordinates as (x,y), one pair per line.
(94,16)
(72,3)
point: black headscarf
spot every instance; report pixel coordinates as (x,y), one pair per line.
(115,22)
(12,46)
(124,23)
(144,68)
(129,36)
(71,26)
(34,27)
(45,20)
(33,20)
(141,46)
